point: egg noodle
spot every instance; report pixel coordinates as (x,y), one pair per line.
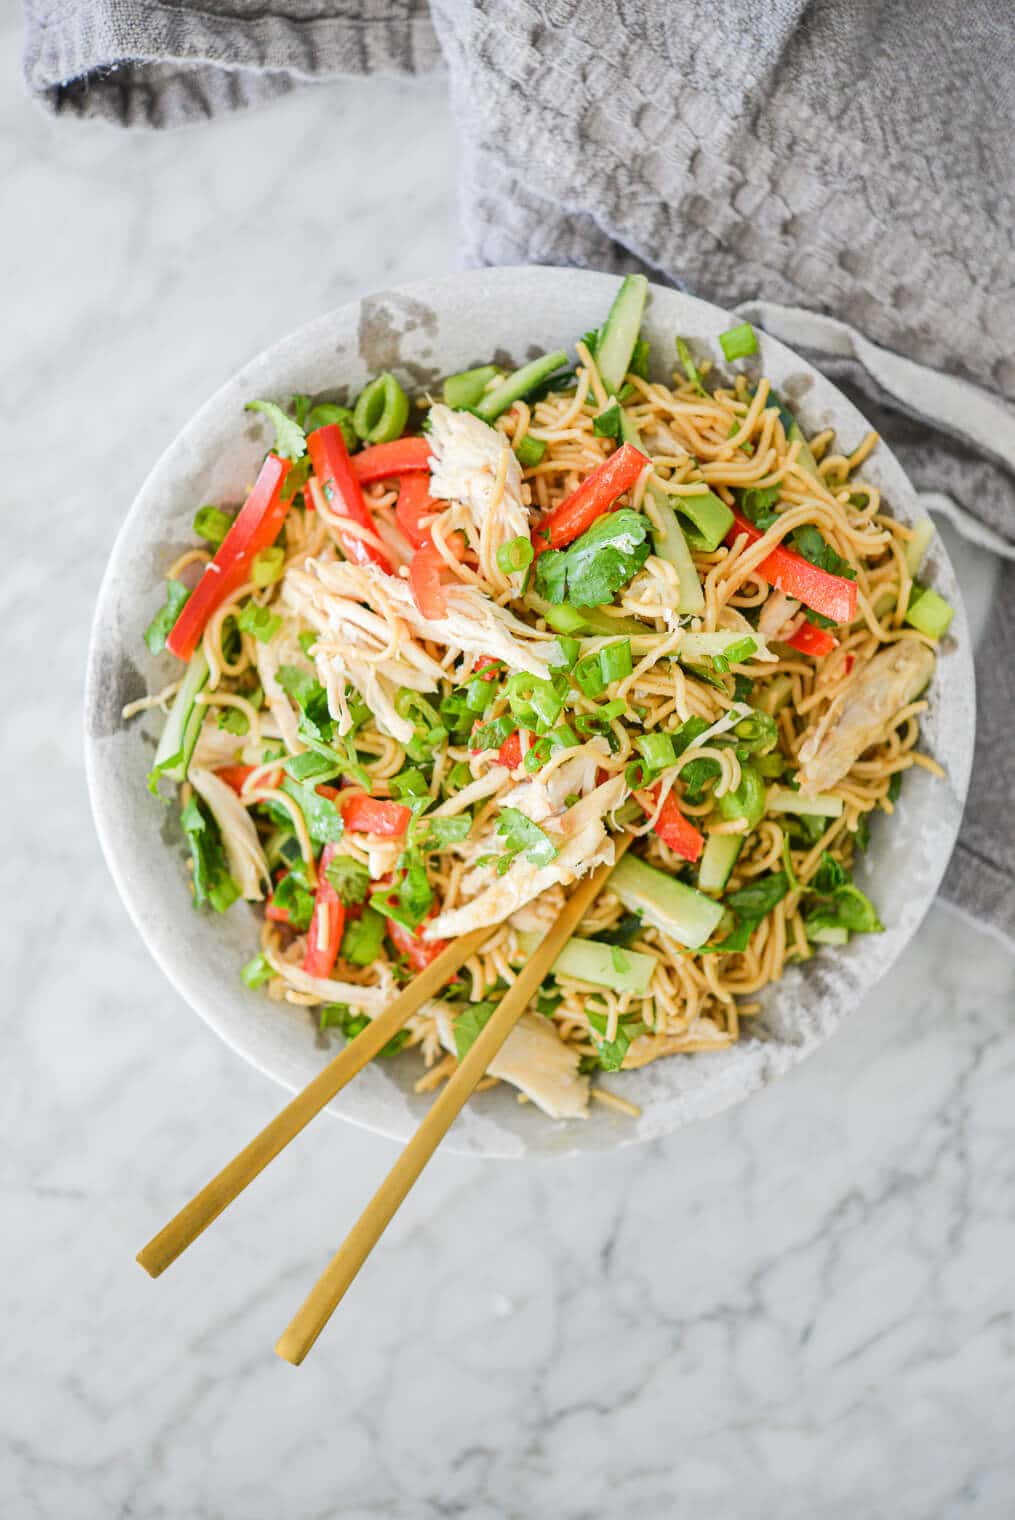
(743,728)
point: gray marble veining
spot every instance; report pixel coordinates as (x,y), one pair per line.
(806,1304)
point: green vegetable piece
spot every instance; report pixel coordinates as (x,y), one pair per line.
(739,342)
(256,972)
(465,390)
(759,896)
(689,367)
(186,717)
(290,439)
(783,799)
(717,861)
(268,566)
(162,624)
(259,621)
(363,938)
(513,556)
(928,612)
(328,413)
(349,877)
(521,835)
(685,915)
(747,801)
(514,386)
(592,960)
(917,546)
(469,1025)
(212,524)
(619,333)
(610,422)
(530,451)
(381,410)
(594,568)
(323,820)
(211,879)
(611,1053)
(710,516)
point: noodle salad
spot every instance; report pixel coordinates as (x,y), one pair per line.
(448,648)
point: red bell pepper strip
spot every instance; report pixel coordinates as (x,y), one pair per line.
(324,937)
(594,496)
(372,815)
(383,461)
(343,493)
(236,776)
(831,595)
(414,502)
(675,830)
(418,951)
(810,639)
(511,752)
(427,572)
(255,527)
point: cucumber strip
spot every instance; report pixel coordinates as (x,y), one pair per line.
(699,646)
(172,757)
(711,517)
(668,539)
(781,799)
(620,332)
(928,612)
(717,861)
(562,617)
(916,548)
(832,935)
(468,387)
(515,385)
(590,960)
(685,915)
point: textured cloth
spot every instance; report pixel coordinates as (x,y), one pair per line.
(852,159)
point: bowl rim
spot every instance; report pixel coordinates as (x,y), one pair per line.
(118,859)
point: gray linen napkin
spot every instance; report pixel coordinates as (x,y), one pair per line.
(815,159)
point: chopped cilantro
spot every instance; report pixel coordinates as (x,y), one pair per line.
(290,439)
(594,568)
(469,1025)
(161,625)
(350,879)
(521,835)
(212,881)
(363,937)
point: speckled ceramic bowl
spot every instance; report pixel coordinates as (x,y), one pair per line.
(423,332)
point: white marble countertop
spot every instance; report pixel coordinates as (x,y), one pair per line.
(804,1305)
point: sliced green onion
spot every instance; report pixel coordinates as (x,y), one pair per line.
(493,734)
(747,801)
(568,649)
(656,750)
(615,661)
(478,695)
(927,612)
(515,555)
(256,972)
(739,343)
(740,651)
(326,413)
(212,524)
(530,451)
(260,621)
(689,367)
(589,675)
(268,566)
(637,774)
(381,411)
(466,388)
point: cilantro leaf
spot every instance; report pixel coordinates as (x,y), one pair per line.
(624,932)
(363,937)
(161,625)
(408,898)
(609,422)
(520,834)
(469,1025)
(594,568)
(611,1053)
(340,1016)
(260,621)
(212,881)
(760,896)
(290,439)
(350,879)
(807,541)
(323,820)
(294,896)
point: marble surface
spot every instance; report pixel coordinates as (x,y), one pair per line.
(807,1303)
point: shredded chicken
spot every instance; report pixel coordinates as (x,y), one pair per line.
(534,1059)
(474,465)
(371,999)
(283,649)
(863,712)
(582,843)
(357,612)
(247,865)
